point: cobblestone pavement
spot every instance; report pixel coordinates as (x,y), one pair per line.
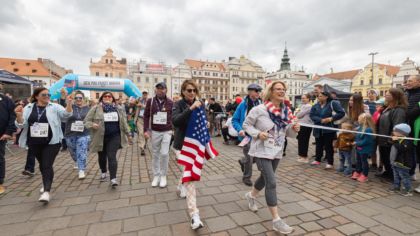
(314,201)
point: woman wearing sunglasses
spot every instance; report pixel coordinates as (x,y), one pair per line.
(109,132)
(41,123)
(180,117)
(77,136)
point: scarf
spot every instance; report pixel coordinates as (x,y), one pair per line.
(280,116)
(251,104)
(109,107)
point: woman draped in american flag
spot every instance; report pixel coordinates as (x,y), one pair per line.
(269,124)
(192,144)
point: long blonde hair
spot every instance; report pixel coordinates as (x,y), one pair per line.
(269,89)
(367,122)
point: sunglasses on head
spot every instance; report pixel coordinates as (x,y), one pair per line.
(45,95)
(191,90)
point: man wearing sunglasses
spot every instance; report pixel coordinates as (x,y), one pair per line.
(158,127)
(250,101)
(7,127)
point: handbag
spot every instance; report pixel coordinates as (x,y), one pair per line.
(337,122)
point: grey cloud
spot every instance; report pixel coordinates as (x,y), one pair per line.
(320,33)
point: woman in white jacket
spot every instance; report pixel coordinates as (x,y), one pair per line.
(269,124)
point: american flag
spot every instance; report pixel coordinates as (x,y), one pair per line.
(197,146)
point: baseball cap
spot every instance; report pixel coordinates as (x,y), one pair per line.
(161,84)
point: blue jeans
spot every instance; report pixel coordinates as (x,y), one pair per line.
(362,165)
(345,157)
(401,175)
(78,147)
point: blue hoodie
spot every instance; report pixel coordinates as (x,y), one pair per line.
(240,115)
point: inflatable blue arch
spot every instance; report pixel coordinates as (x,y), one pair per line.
(73,82)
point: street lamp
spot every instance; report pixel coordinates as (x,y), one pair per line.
(373,60)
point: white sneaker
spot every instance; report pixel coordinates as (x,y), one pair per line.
(181,191)
(114,182)
(417,189)
(41,190)
(103,177)
(155,181)
(45,197)
(196,222)
(414,177)
(252,205)
(163,181)
(281,226)
(328,166)
(82,174)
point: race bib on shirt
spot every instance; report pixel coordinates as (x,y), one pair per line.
(77,126)
(111,117)
(160,118)
(39,130)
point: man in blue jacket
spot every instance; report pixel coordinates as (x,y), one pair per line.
(250,101)
(7,127)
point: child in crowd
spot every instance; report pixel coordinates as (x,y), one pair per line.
(364,147)
(344,144)
(401,159)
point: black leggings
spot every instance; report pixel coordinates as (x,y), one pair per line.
(109,154)
(46,154)
(303,141)
(325,142)
(384,154)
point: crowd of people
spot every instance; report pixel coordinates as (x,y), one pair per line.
(260,123)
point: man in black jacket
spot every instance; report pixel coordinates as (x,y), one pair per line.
(412,87)
(7,127)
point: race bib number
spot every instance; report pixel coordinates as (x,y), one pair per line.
(111,117)
(160,118)
(39,130)
(77,126)
(274,144)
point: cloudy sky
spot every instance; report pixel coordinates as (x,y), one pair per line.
(320,34)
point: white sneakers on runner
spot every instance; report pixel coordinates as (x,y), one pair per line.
(155,181)
(163,181)
(82,174)
(281,226)
(45,197)
(196,222)
(252,204)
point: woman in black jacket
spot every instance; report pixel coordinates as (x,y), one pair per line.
(394,114)
(180,116)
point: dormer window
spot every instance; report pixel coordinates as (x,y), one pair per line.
(12,63)
(15,69)
(28,64)
(34,70)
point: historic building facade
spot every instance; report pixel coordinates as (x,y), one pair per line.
(34,70)
(294,80)
(108,66)
(383,76)
(180,73)
(242,72)
(408,67)
(212,79)
(146,75)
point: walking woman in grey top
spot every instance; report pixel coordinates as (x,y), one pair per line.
(305,132)
(77,136)
(268,124)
